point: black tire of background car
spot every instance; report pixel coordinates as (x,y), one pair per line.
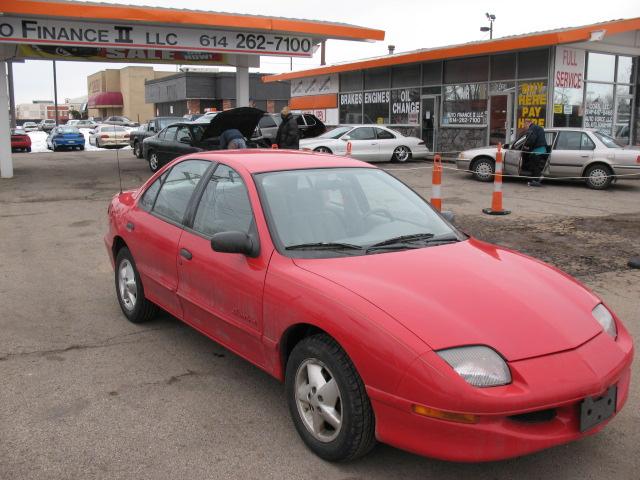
(137,149)
(397,154)
(144,310)
(357,435)
(157,162)
(483,161)
(598,186)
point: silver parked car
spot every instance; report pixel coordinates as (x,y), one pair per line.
(575,152)
(370,143)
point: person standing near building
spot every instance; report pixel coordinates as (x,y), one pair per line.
(232,139)
(288,135)
(535,146)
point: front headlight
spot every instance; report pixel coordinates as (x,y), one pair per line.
(605,319)
(461,156)
(480,366)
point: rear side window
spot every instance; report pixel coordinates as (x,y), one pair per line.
(574,141)
(175,193)
(300,120)
(363,133)
(225,204)
(384,134)
(309,119)
(149,197)
(267,122)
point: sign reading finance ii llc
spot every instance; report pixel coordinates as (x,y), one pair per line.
(68,32)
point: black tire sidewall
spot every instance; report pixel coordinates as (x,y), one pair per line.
(135,315)
(342,447)
(151,152)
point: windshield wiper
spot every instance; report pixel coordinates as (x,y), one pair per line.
(403,241)
(324,246)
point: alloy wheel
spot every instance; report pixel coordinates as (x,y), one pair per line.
(401,154)
(127,286)
(318,400)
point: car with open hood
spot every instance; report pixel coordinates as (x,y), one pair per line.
(383,320)
(181,138)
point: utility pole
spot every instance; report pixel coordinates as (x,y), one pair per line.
(55,91)
(491,17)
(12,99)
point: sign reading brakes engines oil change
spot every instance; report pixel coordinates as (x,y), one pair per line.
(68,32)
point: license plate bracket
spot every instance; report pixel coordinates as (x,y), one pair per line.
(594,411)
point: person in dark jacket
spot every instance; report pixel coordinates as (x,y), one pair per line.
(232,139)
(288,135)
(535,148)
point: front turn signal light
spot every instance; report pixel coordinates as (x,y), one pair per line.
(443,415)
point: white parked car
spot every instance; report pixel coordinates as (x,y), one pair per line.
(575,152)
(370,143)
(109,136)
(30,126)
(82,123)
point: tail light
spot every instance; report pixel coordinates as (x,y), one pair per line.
(126,135)
(104,136)
(420,143)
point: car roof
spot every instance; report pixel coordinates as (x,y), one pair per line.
(272,160)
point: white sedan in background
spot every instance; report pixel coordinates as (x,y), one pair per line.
(109,136)
(370,143)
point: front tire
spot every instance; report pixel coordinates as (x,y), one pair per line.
(129,290)
(483,169)
(598,176)
(323,150)
(401,154)
(327,400)
(154,163)
(137,149)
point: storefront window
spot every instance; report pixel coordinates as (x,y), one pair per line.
(377,78)
(496,88)
(376,106)
(599,106)
(533,64)
(405,76)
(532,103)
(405,106)
(432,73)
(466,70)
(351,81)
(503,67)
(351,107)
(625,70)
(567,107)
(601,67)
(465,105)
(622,126)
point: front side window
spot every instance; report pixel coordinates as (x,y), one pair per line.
(173,198)
(183,134)
(358,207)
(170,133)
(225,205)
(362,133)
(384,134)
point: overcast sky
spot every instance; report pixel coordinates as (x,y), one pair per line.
(409,24)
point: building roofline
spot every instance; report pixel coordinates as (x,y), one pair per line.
(183,17)
(517,42)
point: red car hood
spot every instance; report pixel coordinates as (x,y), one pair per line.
(471,293)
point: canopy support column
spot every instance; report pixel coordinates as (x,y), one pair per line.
(6,162)
(242,82)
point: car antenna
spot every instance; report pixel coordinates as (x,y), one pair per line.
(118,159)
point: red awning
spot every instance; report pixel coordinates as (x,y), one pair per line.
(105,100)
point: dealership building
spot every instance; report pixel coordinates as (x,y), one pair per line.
(479,93)
(191,92)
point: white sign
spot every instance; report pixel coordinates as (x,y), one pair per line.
(314,85)
(569,71)
(58,32)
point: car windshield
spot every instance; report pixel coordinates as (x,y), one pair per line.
(347,211)
(608,141)
(335,133)
(68,130)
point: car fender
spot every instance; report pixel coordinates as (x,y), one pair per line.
(598,159)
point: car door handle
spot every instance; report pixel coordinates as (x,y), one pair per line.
(186,253)
(130,226)
(584,156)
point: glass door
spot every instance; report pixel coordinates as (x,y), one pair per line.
(500,119)
(622,119)
(430,116)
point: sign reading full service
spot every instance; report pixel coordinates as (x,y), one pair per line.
(68,32)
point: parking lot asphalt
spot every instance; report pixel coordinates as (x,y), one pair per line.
(86,394)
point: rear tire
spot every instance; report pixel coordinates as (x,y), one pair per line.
(401,154)
(598,176)
(483,169)
(129,290)
(323,150)
(328,401)
(137,149)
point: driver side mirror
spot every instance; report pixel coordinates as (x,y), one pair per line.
(449,216)
(346,138)
(506,146)
(234,242)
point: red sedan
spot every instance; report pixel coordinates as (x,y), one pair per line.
(384,321)
(20,140)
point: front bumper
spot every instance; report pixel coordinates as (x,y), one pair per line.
(554,384)
(463,163)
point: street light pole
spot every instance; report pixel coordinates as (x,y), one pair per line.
(491,17)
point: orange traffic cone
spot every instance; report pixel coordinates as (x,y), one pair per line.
(436,181)
(496,199)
